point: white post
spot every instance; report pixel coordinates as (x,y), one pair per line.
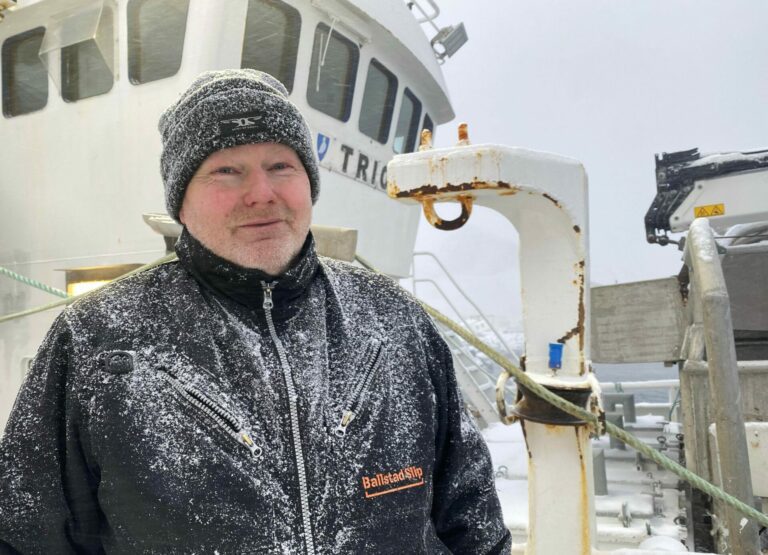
(545,197)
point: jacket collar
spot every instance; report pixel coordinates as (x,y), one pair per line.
(244,285)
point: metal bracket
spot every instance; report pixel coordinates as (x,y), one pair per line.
(428,205)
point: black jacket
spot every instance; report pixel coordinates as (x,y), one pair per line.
(163,415)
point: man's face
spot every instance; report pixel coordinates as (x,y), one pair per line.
(251,205)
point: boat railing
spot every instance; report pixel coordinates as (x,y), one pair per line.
(426,16)
(450,38)
(711,312)
(463,295)
(476,373)
(670,387)
(476,379)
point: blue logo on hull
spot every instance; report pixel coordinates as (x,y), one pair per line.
(323,142)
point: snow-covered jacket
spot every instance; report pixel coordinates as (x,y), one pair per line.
(202,408)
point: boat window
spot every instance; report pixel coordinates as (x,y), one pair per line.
(271,40)
(332,73)
(378,102)
(84,71)
(428,124)
(155,38)
(25,80)
(407,123)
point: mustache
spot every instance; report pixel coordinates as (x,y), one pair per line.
(241,216)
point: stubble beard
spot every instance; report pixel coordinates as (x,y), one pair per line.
(272,254)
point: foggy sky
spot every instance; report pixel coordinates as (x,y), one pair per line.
(610,83)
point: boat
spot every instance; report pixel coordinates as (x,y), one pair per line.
(84,82)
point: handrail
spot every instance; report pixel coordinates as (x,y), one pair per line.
(445,298)
(428,18)
(635,386)
(490,404)
(468,354)
(710,292)
(468,299)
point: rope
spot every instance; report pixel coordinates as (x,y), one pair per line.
(574,410)
(32,283)
(69,300)
(555,400)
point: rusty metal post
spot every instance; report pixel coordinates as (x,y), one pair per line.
(545,197)
(704,261)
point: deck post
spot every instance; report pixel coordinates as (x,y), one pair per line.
(545,197)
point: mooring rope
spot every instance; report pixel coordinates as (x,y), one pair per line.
(523,378)
(69,300)
(33,283)
(583,414)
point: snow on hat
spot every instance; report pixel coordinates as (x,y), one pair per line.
(227,108)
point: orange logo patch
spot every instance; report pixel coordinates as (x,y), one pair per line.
(390,482)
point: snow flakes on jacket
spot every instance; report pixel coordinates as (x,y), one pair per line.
(156,419)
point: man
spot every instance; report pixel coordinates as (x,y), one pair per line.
(251,398)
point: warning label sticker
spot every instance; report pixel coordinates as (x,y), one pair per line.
(709,210)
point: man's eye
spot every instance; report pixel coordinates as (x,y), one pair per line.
(278,166)
(226,170)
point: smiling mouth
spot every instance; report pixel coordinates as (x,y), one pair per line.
(260,224)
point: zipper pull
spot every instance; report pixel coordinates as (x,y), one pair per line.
(346,419)
(267,287)
(248,442)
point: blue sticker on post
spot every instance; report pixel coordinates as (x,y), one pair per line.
(555,356)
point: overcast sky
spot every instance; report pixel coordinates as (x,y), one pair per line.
(610,83)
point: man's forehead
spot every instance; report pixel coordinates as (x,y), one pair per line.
(253,150)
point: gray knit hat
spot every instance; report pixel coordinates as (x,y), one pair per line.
(227,108)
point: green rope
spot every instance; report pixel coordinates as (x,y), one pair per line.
(33,283)
(574,410)
(69,300)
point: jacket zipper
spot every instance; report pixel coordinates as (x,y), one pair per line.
(294,414)
(355,401)
(224,419)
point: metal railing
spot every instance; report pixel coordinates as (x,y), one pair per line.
(509,351)
(711,302)
(426,17)
(477,372)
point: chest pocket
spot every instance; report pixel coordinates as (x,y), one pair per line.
(212,411)
(358,396)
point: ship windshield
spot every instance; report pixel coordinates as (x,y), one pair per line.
(332,73)
(271,40)
(25,80)
(155,38)
(407,123)
(378,102)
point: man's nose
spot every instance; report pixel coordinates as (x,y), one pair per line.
(258,188)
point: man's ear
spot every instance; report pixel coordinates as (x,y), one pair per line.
(181,214)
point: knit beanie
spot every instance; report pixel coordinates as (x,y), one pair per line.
(227,108)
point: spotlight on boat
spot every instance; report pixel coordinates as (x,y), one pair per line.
(85,279)
(450,38)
